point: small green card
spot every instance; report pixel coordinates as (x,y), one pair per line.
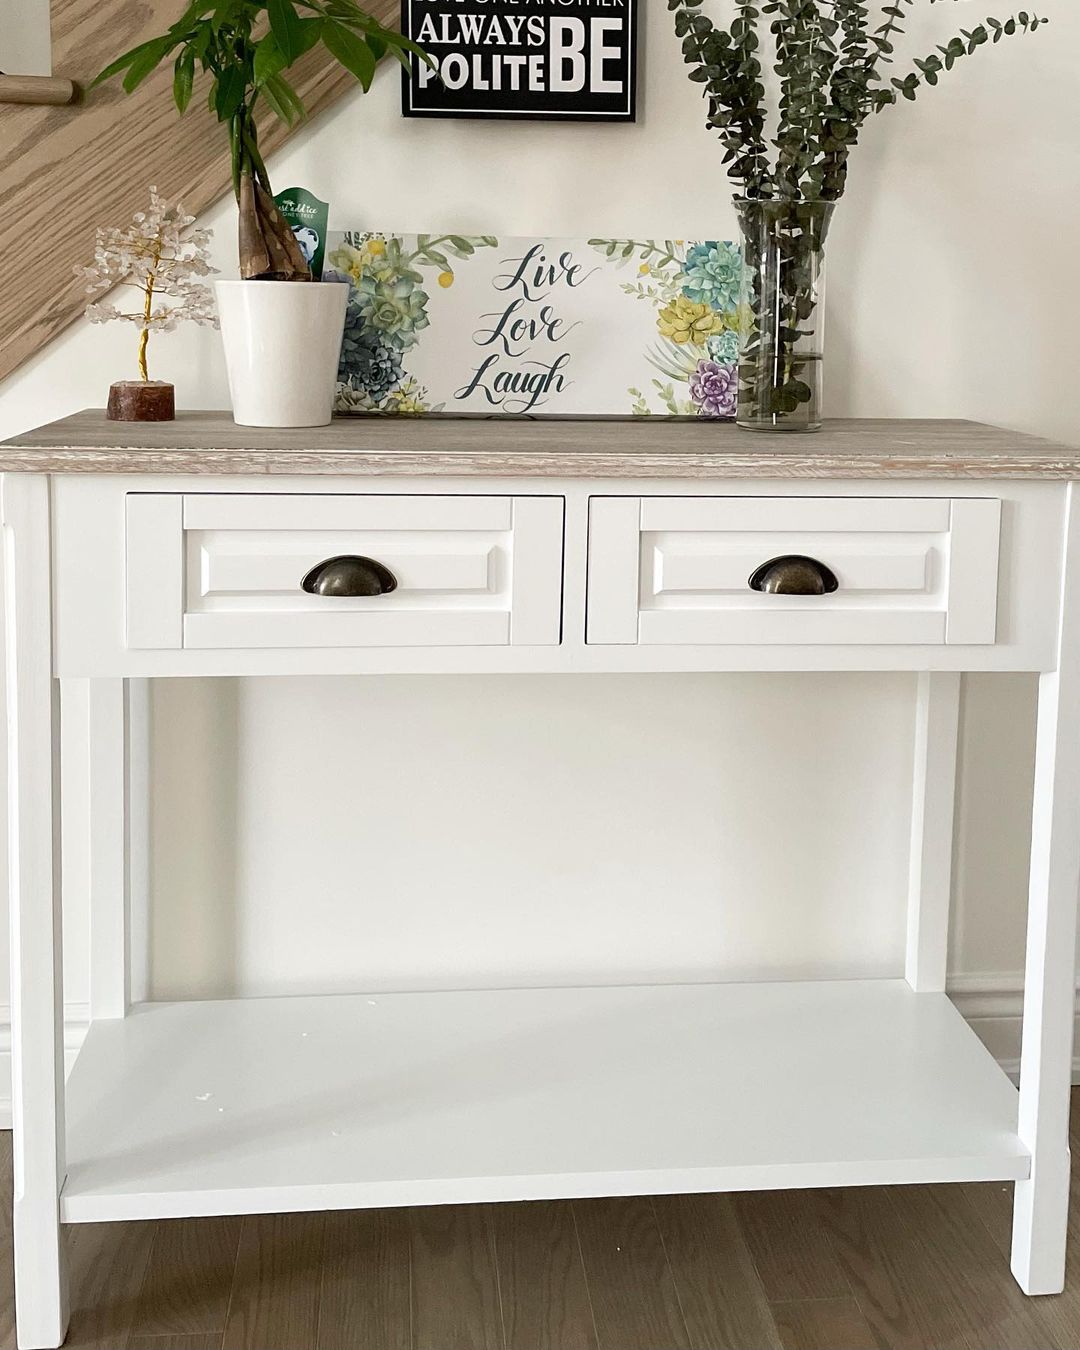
(307,215)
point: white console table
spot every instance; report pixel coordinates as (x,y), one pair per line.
(134,552)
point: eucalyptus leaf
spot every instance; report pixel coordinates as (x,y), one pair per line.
(830,56)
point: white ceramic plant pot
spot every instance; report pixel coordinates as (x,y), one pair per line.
(282,343)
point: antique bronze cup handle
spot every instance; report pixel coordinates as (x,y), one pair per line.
(793,575)
(349,576)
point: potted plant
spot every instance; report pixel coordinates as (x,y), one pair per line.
(833,58)
(282,338)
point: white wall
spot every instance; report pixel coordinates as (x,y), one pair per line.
(25,41)
(425,859)
(287,853)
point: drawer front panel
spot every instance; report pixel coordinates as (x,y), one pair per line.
(675,570)
(223,571)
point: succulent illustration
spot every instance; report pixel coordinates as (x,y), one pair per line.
(713,275)
(394,304)
(714,389)
(387,312)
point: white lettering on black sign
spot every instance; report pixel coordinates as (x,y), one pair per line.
(558,59)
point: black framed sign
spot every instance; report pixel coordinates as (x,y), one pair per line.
(558,60)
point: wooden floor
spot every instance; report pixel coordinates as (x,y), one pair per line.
(917,1268)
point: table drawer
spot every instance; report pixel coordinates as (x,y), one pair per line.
(225,570)
(677,570)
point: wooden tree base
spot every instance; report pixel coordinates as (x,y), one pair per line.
(141,401)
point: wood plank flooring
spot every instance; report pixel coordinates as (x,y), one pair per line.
(901,1268)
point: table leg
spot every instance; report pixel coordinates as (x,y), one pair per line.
(93,764)
(1041,1206)
(937,719)
(37,1027)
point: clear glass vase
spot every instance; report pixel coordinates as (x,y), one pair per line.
(780,363)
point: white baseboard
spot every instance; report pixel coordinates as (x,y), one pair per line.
(76,1023)
(992,1004)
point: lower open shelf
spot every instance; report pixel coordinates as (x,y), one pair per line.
(269,1105)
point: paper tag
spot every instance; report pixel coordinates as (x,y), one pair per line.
(307,215)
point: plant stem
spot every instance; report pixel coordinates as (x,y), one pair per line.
(235,149)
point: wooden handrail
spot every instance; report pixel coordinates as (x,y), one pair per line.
(43,89)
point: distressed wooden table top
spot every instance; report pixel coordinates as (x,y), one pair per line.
(211,443)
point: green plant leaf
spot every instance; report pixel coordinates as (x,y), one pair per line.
(286,28)
(229,90)
(269,59)
(280,110)
(352,52)
(183,79)
(122,62)
(284,99)
(279,105)
(310,33)
(146,61)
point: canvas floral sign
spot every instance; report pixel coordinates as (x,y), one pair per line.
(478,325)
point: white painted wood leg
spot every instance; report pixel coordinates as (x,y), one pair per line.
(93,777)
(1041,1206)
(138,838)
(937,721)
(37,1040)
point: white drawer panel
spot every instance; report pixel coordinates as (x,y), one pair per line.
(676,570)
(229,562)
(224,571)
(700,563)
